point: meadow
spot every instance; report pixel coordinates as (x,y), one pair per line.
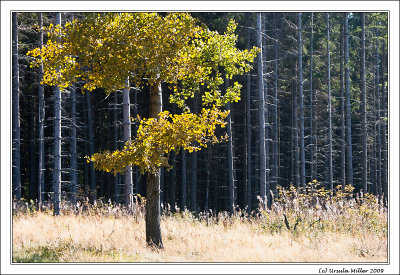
(312,225)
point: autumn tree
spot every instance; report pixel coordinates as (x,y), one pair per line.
(103,50)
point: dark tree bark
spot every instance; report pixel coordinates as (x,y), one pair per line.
(193,170)
(15,111)
(153,229)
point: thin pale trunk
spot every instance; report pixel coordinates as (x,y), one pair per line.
(384,130)
(266,114)
(153,229)
(378,118)
(349,161)
(15,111)
(41,124)
(173,182)
(312,142)
(275,155)
(342,111)
(330,167)
(363,110)
(301,111)
(184,187)
(116,138)
(126,105)
(295,136)
(93,191)
(57,143)
(248,130)
(74,165)
(261,113)
(193,174)
(231,186)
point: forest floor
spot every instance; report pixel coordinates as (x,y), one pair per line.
(115,237)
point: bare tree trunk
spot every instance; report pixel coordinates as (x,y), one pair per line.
(231,184)
(342,111)
(302,152)
(74,166)
(57,143)
(116,138)
(126,105)
(330,167)
(153,229)
(184,184)
(363,110)
(295,136)
(261,112)
(349,161)
(93,191)
(248,130)
(172,194)
(384,125)
(15,111)
(312,141)
(378,118)
(193,174)
(41,123)
(275,154)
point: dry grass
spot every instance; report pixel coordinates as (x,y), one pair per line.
(40,237)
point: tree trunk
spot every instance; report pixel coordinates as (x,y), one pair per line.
(193,174)
(275,154)
(153,229)
(93,193)
(384,130)
(261,113)
(41,124)
(15,111)
(74,166)
(363,110)
(295,136)
(349,161)
(248,130)
(312,142)
(116,138)
(302,152)
(378,120)
(342,111)
(57,142)
(172,193)
(231,184)
(126,105)
(330,168)
(184,185)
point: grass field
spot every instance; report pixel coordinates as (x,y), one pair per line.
(342,231)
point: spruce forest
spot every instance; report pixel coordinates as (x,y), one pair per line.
(182,132)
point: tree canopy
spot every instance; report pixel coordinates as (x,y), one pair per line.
(103,50)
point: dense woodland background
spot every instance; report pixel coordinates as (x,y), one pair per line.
(312,117)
